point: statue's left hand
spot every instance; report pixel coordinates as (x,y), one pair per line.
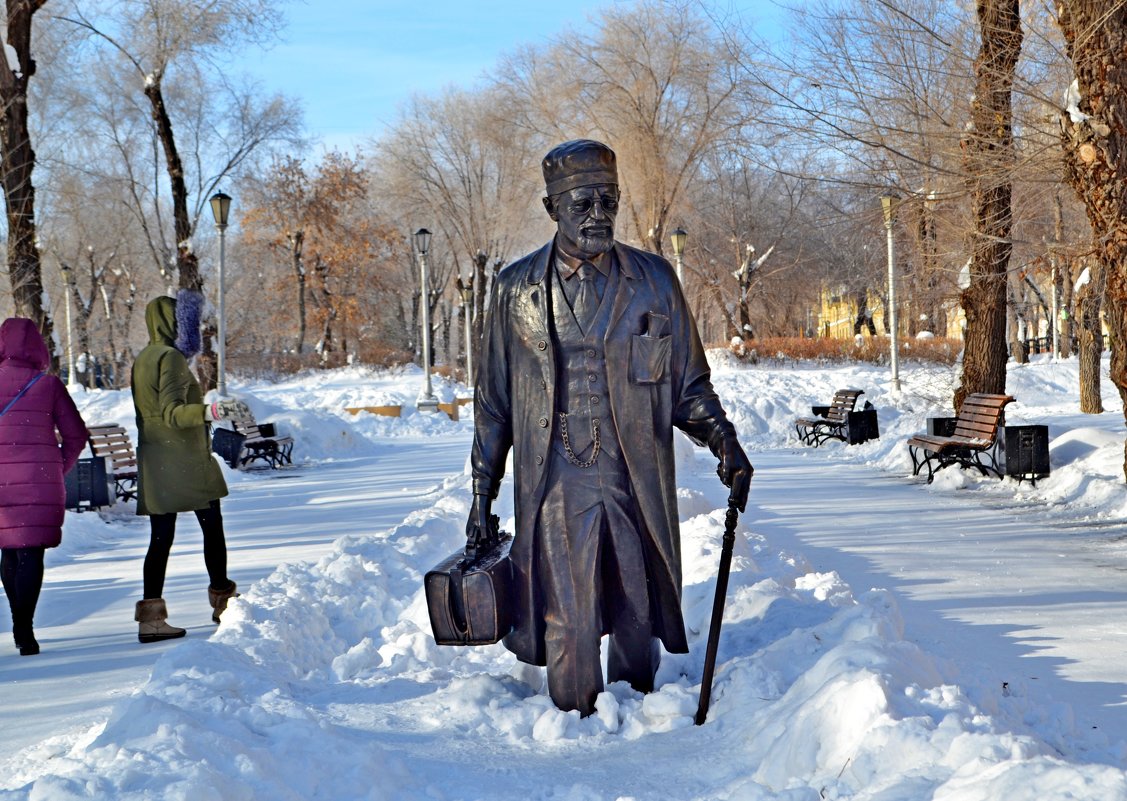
(735,471)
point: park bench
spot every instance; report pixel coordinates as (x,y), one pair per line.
(248,442)
(839,420)
(974,442)
(112,441)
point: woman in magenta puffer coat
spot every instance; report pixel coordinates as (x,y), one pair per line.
(33,406)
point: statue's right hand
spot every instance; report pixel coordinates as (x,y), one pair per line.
(478,523)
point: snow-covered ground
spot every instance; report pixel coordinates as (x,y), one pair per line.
(884,639)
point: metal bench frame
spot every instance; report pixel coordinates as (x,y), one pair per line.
(974,443)
(816,430)
(262,444)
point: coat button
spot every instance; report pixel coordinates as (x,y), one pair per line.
(543,384)
(542,345)
(595,400)
(592,378)
(543,422)
(591,352)
(539,460)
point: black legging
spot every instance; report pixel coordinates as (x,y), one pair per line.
(22,572)
(163,531)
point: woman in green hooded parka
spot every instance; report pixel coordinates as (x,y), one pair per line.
(176,471)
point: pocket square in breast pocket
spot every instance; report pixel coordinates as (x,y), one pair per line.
(657,325)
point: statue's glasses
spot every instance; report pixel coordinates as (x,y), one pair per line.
(584,205)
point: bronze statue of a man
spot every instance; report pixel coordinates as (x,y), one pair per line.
(589,358)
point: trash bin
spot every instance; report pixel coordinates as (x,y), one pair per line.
(861,426)
(1027,452)
(228,444)
(941,426)
(88,485)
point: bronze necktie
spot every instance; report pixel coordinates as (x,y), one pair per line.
(586,299)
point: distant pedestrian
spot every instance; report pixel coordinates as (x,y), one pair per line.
(176,471)
(35,412)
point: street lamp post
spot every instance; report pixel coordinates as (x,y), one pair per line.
(72,372)
(677,237)
(426,401)
(220,208)
(888,203)
(1053,322)
(467,314)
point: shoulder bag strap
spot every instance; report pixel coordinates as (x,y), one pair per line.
(19,395)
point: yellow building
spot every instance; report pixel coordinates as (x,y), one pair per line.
(838,315)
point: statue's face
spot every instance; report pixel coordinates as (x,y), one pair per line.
(585,219)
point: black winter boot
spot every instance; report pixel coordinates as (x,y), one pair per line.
(24,636)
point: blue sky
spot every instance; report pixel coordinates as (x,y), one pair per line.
(352,62)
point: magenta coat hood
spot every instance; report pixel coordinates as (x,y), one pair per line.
(32,459)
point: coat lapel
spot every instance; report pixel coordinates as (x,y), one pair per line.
(628,274)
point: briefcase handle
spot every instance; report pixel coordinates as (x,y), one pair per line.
(481,542)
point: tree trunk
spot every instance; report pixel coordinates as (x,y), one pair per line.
(1091,347)
(186,262)
(989,158)
(1016,327)
(1095,146)
(187,265)
(297,243)
(746,332)
(17,160)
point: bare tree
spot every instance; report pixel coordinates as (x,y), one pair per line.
(17,161)
(989,162)
(459,164)
(171,43)
(658,81)
(1095,146)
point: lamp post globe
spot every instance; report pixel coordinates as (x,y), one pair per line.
(677,238)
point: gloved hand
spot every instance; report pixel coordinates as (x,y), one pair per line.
(734,470)
(227,409)
(478,520)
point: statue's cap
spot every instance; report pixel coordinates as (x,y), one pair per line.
(580,162)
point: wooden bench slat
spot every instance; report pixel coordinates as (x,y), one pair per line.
(975,438)
(816,430)
(275,450)
(111,441)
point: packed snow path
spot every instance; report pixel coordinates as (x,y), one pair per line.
(1001,590)
(1007,592)
(91,656)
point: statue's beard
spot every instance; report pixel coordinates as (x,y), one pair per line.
(594,244)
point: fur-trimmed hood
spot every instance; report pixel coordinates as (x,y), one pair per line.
(176,321)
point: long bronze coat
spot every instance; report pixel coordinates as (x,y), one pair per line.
(655,382)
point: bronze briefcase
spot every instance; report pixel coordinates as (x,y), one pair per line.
(468,593)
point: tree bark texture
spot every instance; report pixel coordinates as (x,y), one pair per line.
(186,261)
(989,156)
(187,265)
(1091,346)
(297,247)
(17,160)
(1094,135)
(1016,327)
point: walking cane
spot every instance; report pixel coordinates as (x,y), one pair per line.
(717,610)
